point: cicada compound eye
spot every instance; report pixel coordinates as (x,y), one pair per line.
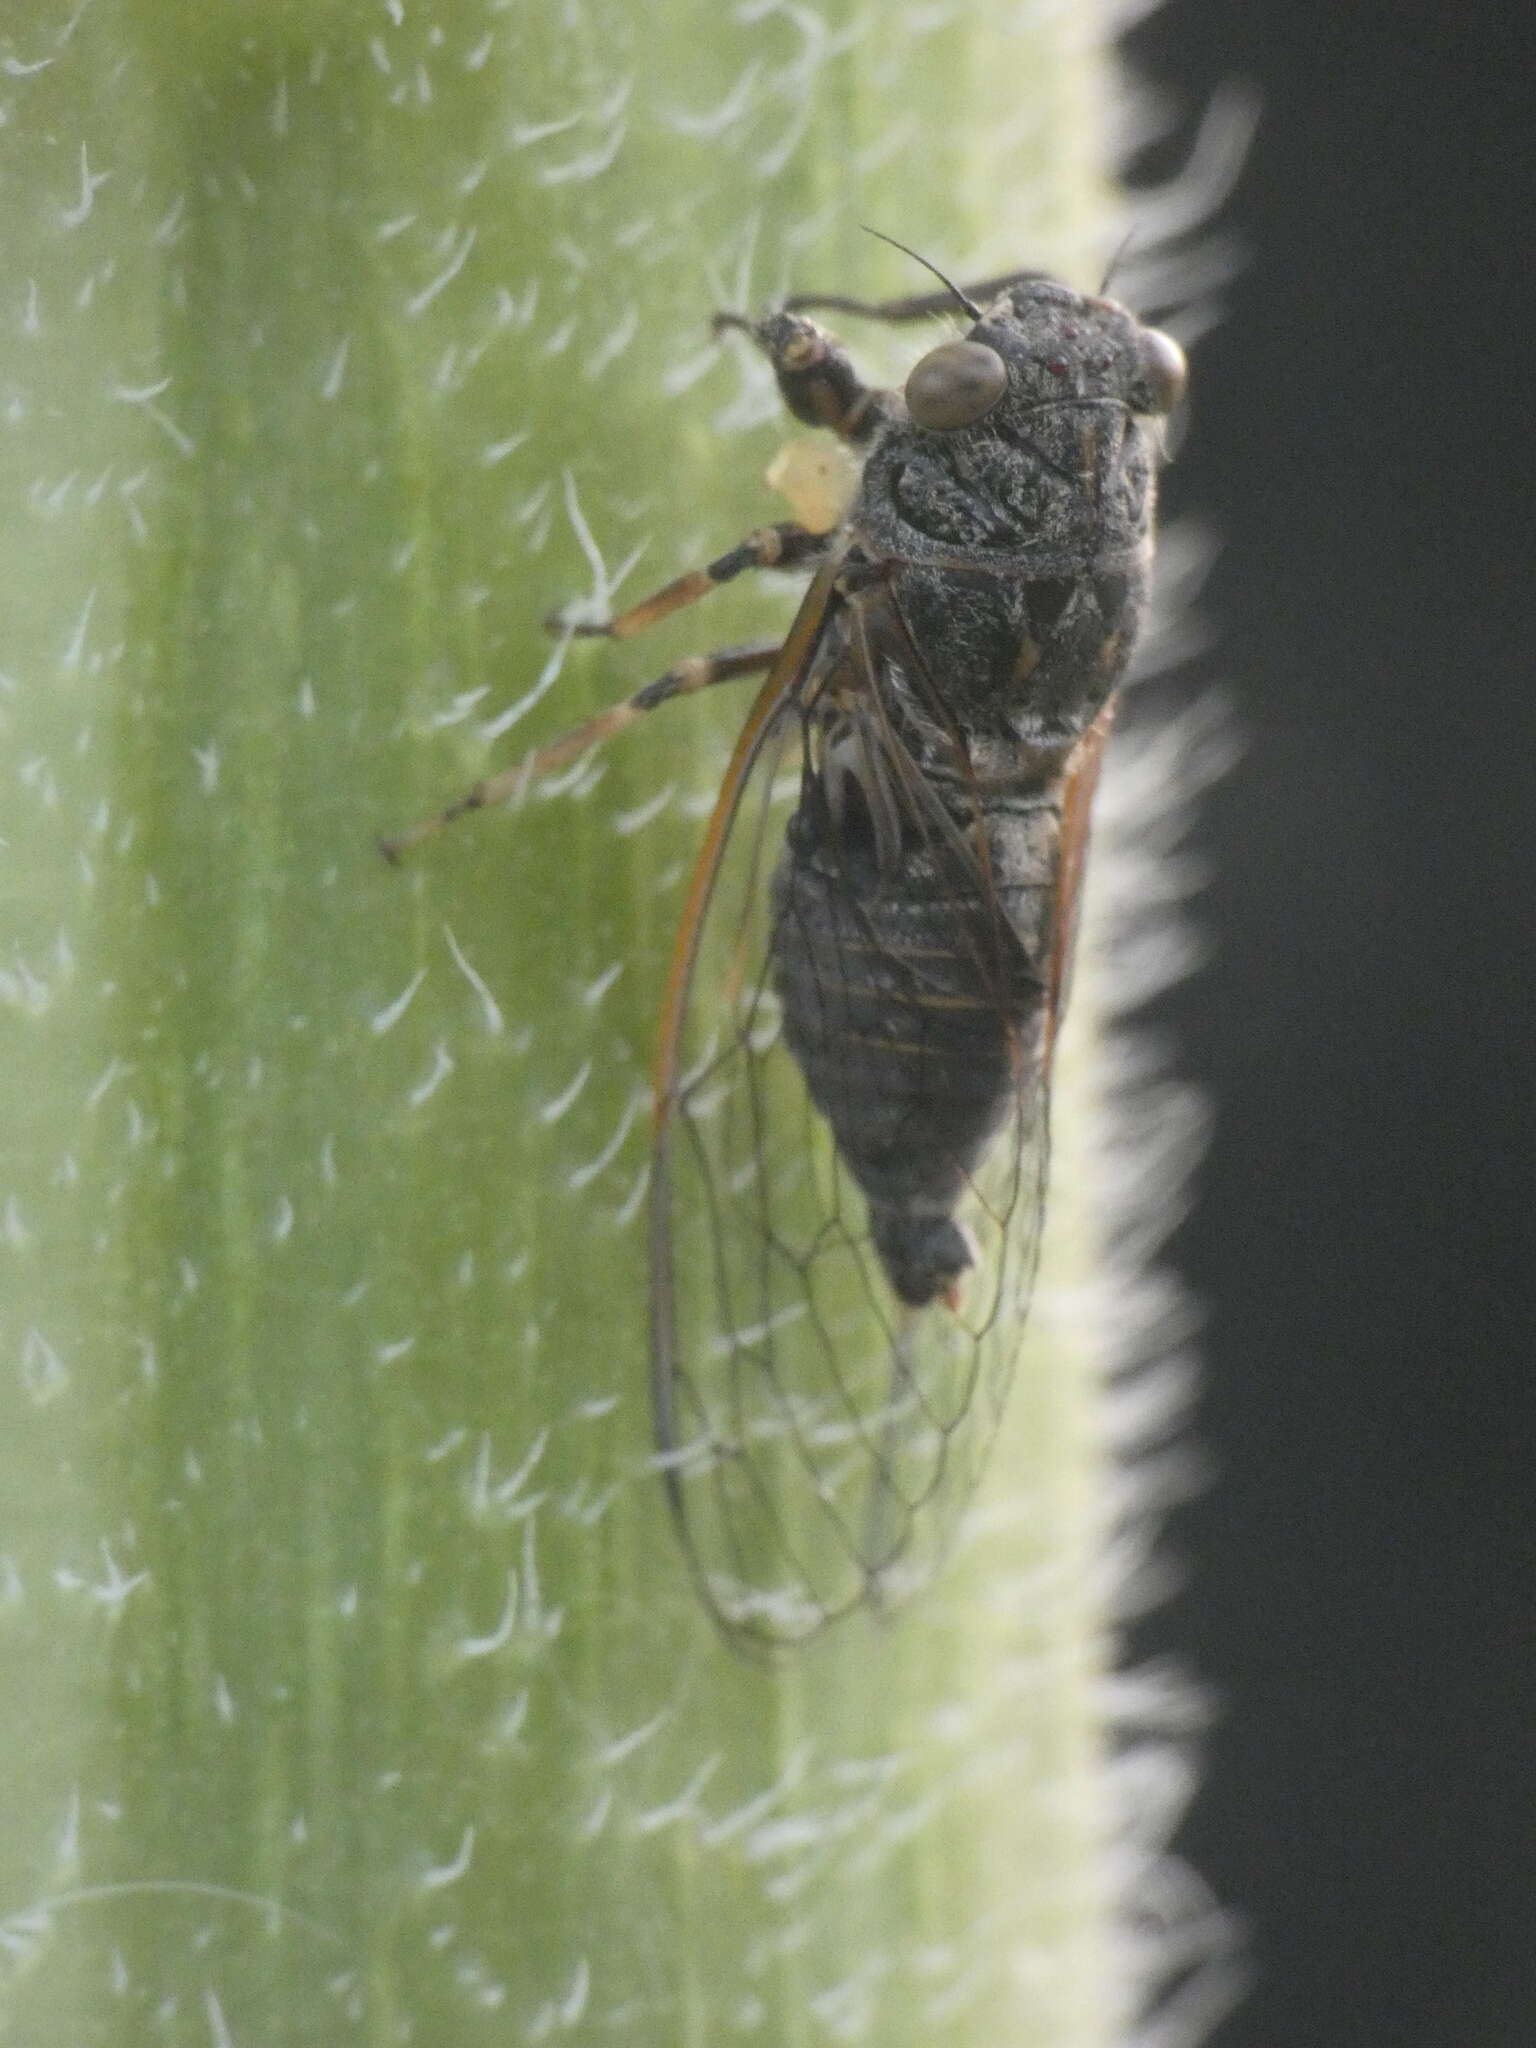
(1163,372)
(955,384)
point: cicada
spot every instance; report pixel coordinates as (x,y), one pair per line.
(850,1136)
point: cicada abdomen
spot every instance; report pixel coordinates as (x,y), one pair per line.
(851,1177)
(913,991)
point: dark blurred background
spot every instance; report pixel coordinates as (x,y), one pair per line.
(1358,1581)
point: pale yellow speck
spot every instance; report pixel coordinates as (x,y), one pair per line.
(818,478)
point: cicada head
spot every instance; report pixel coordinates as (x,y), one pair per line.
(1042,344)
(1032,438)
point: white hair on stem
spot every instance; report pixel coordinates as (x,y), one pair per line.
(1180,1955)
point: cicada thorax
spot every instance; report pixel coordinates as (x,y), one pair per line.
(1041,654)
(912,980)
(1018,559)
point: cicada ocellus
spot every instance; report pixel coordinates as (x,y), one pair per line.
(852,1072)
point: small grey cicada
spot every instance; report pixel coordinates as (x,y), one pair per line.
(851,1083)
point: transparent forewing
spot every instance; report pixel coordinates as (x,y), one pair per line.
(818,1437)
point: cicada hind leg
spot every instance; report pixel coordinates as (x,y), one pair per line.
(683,679)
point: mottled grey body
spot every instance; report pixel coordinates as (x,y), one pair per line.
(948,672)
(994,576)
(914,1020)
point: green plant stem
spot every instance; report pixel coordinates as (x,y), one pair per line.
(353,1689)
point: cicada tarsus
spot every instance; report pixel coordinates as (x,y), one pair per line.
(851,1084)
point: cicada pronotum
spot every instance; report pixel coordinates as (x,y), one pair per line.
(850,1136)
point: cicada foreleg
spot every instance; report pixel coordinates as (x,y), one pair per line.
(815,373)
(683,679)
